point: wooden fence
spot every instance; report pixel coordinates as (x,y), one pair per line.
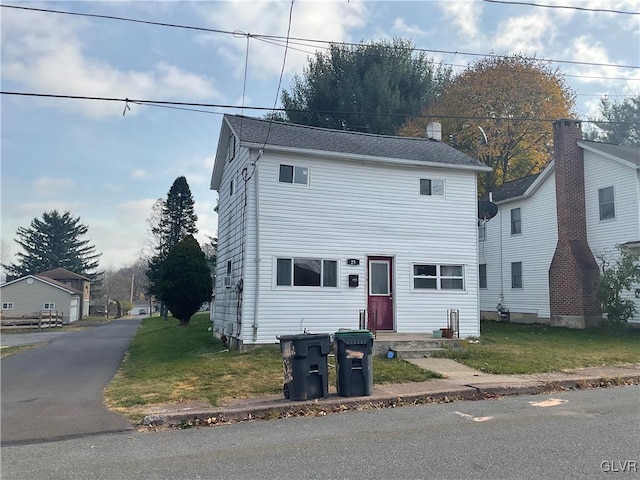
(40,320)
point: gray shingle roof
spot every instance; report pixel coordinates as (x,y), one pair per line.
(630,154)
(288,135)
(514,188)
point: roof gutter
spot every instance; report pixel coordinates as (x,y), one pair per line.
(368,158)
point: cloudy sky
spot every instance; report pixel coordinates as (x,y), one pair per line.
(108,168)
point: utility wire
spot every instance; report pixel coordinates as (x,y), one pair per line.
(279,43)
(567,7)
(173,104)
(298,39)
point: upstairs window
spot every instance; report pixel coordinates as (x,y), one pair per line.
(232,187)
(231,147)
(431,187)
(606,201)
(516,221)
(294,174)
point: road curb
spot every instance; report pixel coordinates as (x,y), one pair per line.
(334,404)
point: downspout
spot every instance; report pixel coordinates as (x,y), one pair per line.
(500,305)
(257,257)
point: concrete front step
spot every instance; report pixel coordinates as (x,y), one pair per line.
(381,347)
(408,352)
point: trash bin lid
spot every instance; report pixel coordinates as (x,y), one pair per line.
(353,333)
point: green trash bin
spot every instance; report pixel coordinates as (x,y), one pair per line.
(304,359)
(354,362)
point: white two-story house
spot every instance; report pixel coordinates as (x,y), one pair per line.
(517,246)
(319,228)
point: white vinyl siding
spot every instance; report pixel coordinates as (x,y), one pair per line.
(356,210)
(348,210)
(534,248)
(604,235)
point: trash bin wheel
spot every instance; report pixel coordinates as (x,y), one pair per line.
(285,391)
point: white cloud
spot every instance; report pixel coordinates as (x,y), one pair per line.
(44,54)
(465,16)
(49,186)
(310,19)
(403,29)
(140,173)
(526,34)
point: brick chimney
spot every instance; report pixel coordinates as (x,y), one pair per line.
(574,274)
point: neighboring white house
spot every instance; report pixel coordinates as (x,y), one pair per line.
(517,246)
(316,226)
(35,293)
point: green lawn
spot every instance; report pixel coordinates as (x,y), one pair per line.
(167,363)
(516,348)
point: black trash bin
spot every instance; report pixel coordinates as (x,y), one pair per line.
(304,358)
(354,363)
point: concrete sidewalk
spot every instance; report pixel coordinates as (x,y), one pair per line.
(460,383)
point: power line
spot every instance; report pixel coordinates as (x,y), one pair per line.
(567,7)
(298,39)
(595,77)
(176,105)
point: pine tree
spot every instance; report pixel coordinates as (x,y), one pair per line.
(175,221)
(185,282)
(52,242)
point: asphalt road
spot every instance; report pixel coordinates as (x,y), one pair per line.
(568,435)
(55,391)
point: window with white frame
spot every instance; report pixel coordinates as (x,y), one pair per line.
(432,187)
(482,275)
(49,306)
(306,272)
(482,232)
(226,280)
(231,147)
(438,277)
(232,187)
(7,305)
(294,174)
(516,221)
(516,274)
(607,204)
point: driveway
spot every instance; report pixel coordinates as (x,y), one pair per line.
(55,391)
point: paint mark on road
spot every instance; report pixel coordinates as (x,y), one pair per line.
(475,419)
(552,402)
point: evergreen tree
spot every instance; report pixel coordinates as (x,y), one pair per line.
(617,122)
(175,220)
(372,88)
(185,282)
(52,242)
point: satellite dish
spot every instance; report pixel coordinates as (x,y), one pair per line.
(487,210)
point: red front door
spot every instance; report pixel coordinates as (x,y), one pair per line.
(380,301)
